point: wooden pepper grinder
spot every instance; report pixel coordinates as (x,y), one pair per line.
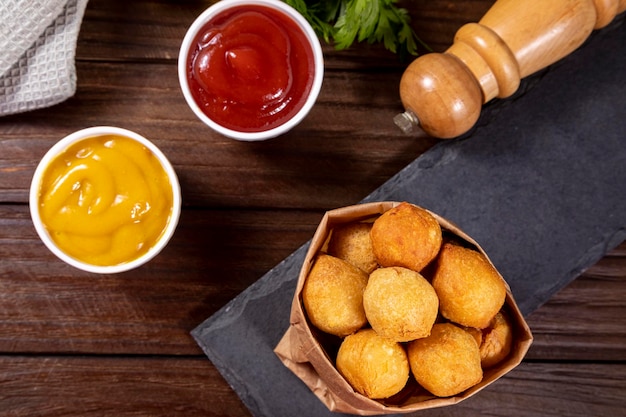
(444,92)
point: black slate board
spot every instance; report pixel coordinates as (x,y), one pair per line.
(540,184)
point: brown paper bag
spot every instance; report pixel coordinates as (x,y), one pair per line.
(305,350)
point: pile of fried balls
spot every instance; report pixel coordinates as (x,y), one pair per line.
(406,300)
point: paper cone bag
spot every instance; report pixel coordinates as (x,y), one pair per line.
(310,354)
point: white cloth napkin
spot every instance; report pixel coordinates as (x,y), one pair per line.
(37,50)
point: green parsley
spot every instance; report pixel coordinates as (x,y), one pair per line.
(344,22)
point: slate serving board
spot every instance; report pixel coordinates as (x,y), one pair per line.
(540,184)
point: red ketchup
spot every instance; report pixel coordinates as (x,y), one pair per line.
(251,68)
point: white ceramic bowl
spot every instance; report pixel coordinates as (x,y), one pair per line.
(187,47)
(60,147)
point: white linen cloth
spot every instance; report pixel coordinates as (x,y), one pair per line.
(37,51)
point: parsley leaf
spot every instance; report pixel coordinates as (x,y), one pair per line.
(344,22)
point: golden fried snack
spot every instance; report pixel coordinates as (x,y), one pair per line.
(447,362)
(497,341)
(374,366)
(400,304)
(470,289)
(351,242)
(407,236)
(333,296)
(477,334)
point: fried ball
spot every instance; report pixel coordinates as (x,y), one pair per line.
(374,366)
(497,341)
(406,236)
(333,296)
(477,334)
(400,304)
(470,289)
(447,362)
(351,242)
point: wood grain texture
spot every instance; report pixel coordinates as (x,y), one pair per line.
(131,386)
(47,306)
(348,143)
(120,386)
(151,310)
(73,343)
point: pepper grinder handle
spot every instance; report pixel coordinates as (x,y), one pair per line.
(443,93)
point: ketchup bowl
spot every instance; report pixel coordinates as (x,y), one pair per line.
(250,69)
(105,200)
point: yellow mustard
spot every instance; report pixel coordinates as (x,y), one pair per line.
(105,200)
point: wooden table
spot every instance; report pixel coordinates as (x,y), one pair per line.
(72,343)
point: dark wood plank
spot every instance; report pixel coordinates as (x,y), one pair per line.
(352,119)
(47,306)
(553,389)
(436,22)
(347,146)
(132,386)
(136,30)
(114,386)
(153,31)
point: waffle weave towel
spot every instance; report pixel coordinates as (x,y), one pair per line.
(37,50)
